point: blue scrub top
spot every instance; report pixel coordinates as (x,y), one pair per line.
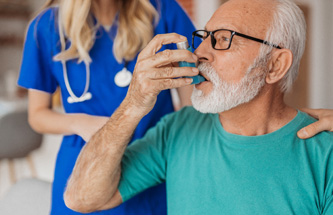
(40,72)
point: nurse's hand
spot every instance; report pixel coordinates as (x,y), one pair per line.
(155,72)
(325,123)
(87,125)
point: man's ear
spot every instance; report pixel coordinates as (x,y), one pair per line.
(279,65)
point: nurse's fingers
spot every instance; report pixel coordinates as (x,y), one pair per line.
(325,123)
(313,129)
(158,41)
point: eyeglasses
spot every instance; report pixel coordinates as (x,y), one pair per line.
(221,38)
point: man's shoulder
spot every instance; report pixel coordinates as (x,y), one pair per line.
(307,120)
(321,143)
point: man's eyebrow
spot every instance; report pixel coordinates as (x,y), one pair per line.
(219,28)
(227,27)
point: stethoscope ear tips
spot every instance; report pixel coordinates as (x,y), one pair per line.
(85,97)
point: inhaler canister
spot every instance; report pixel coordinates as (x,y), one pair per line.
(196,79)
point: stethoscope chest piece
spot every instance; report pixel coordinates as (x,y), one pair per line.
(123,78)
(86,96)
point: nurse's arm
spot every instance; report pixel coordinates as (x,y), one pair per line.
(43,119)
(93,184)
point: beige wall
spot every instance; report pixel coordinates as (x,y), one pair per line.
(321,73)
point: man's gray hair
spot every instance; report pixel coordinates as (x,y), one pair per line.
(288,30)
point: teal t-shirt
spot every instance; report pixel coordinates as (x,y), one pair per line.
(210,171)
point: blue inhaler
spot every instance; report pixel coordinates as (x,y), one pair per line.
(196,79)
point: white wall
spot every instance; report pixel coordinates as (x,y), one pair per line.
(321,67)
(204,9)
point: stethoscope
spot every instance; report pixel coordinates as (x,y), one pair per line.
(122,79)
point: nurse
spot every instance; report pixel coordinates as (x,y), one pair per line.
(88,48)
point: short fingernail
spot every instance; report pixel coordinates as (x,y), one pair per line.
(189,80)
(194,57)
(195,70)
(183,37)
(303,133)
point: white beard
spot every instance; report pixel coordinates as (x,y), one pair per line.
(224,95)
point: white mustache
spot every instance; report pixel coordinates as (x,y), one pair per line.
(206,68)
(209,72)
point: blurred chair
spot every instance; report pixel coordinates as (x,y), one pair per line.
(28,197)
(17,140)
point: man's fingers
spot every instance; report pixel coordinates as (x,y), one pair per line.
(312,129)
(170,56)
(153,72)
(158,41)
(165,84)
(173,72)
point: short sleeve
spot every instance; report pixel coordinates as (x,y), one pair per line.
(144,162)
(36,70)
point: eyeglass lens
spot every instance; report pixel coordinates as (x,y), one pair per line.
(220,40)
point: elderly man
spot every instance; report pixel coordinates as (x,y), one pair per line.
(237,152)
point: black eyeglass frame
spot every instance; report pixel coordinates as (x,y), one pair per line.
(233,33)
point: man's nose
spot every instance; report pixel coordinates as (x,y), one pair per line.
(204,51)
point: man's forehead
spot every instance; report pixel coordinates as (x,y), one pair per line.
(240,15)
(223,23)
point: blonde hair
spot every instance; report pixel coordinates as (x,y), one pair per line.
(135,28)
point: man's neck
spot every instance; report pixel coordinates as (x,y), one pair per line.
(264,114)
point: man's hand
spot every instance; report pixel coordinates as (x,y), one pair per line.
(155,72)
(325,123)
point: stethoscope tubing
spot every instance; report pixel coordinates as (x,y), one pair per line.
(72,97)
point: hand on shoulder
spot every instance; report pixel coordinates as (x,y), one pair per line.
(324,123)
